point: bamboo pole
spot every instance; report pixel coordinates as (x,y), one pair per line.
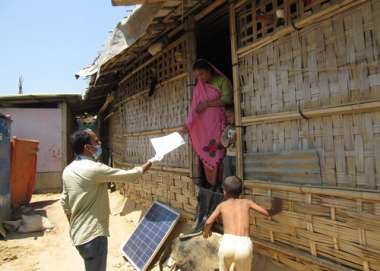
(236,89)
(300,255)
(209,9)
(367,106)
(153,132)
(191,48)
(312,19)
(368,195)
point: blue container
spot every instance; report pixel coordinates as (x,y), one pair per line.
(5,168)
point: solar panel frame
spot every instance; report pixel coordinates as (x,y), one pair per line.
(149,261)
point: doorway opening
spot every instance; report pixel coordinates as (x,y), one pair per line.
(213,40)
(214,44)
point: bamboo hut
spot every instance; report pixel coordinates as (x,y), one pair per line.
(306,81)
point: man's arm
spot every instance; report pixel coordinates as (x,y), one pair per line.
(109,174)
(65,203)
(210,221)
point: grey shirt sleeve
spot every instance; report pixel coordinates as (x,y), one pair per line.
(108,174)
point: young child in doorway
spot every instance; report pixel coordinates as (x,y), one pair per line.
(228,141)
(236,246)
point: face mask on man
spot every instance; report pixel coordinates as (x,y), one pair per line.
(98,152)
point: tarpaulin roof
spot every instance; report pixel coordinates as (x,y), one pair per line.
(127,31)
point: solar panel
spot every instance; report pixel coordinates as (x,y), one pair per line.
(149,235)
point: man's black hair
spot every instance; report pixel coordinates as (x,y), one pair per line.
(203,64)
(78,140)
(233,186)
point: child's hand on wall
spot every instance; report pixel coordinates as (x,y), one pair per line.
(276,206)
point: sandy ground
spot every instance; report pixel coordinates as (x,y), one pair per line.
(54,251)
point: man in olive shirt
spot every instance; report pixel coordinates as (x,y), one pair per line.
(85,197)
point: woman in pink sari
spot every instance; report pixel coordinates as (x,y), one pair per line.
(206,120)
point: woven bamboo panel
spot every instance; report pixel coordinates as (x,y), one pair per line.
(177,191)
(289,261)
(253,25)
(168,64)
(138,149)
(300,166)
(256,19)
(116,141)
(348,145)
(329,63)
(167,108)
(344,231)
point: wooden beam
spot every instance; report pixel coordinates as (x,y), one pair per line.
(368,106)
(237,94)
(347,193)
(216,4)
(134,2)
(153,132)
(185,171)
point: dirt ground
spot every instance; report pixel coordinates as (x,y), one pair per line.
(54,251)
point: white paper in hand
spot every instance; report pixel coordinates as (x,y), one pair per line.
(165,144)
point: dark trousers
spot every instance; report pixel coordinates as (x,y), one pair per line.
(94,254)
(229,166)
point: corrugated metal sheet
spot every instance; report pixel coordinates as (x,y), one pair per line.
(5,124)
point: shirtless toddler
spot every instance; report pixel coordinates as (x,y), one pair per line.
(236,246)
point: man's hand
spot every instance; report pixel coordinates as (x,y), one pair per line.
(155,159)
(146,166)
(183,130)
(201,107)
(276,207)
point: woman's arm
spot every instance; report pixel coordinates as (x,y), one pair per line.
(212,103)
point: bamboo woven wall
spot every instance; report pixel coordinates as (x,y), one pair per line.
(138,149)
(117,143)
(144,117)
(257,20)
(343,230)
(178,191)
(140,117)
(167,108)
(164,66)
(330,63)
(348,145)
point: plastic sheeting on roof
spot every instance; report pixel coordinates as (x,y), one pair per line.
(127,31)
